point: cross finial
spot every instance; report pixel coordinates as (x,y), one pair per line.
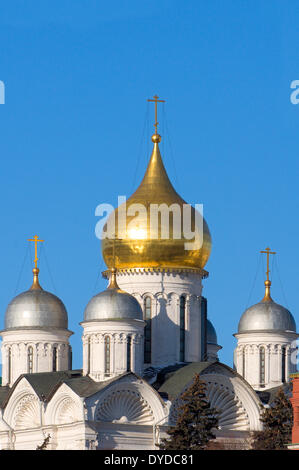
(268,252)
(35,240)
(156,101)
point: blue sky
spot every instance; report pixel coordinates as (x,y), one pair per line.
(75,132)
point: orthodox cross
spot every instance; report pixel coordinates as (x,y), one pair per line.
(268,253)
(156,101)
(35,240)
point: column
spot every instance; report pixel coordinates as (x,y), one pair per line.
(5,366)
(85,341)
(273,365)
(267,365)
(279,364)
(287,363)
(112,355)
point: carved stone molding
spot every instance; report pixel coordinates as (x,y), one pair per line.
(124,406)
(27,413)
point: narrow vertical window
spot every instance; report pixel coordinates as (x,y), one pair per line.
(9,365)
(30,360)
(262,366)
(182,328)
(148,331)
(54,365)
(70,361)
(243,362)
(283,364)
(107,354)
(129,353)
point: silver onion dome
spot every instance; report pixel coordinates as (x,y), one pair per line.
(211,333)
(267,316)
(36,308)
(113,304)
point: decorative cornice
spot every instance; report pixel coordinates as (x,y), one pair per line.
(272,332)
(202,272)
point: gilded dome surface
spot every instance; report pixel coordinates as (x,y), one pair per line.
(134,247)
(36,308)
(113,304)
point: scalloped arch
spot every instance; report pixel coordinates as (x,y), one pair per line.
(27,413)
(67,412)
(125,406)
(233,415)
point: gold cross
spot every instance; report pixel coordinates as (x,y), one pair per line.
(268,252)
(156,101)
(35,240)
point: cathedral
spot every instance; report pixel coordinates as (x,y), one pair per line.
(144,338)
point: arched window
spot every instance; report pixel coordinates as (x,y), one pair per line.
(262,366)
(182,328)
(54,365)
(283,364)
(9,365)
(107,354)
(129,353)
(148,330)
(30,360)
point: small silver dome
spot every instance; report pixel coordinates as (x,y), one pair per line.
(211,333)
(113,304)
(36,308)
(267,315)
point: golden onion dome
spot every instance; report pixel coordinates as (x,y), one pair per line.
(134,245)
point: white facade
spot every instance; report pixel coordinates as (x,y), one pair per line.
(111,348)
(34,350)
(127,413)
(266,359)
(165,288)
(108,405)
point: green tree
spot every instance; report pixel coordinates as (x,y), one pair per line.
(278,422)
(196,420)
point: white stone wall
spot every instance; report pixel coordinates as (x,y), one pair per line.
(165,290)
(118,332)
(66,417)
(42,343)
(249,345)
(127,414)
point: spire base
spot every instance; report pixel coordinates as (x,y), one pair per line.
(36,284)
(113,282)
(267,296)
